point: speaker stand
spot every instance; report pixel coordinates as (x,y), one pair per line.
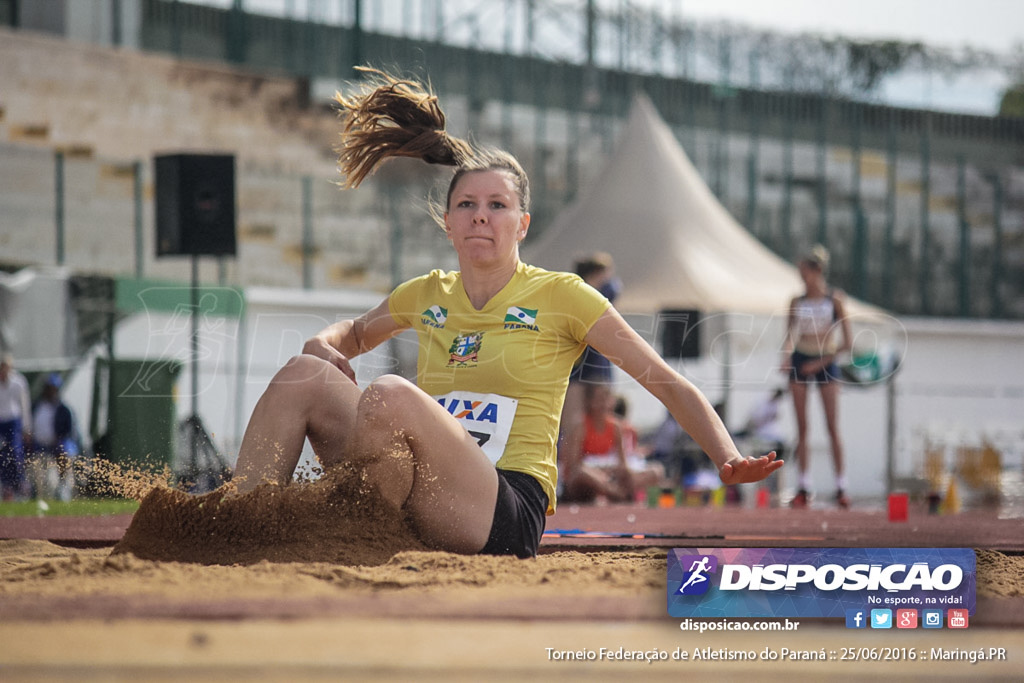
(205,467)
(193,450)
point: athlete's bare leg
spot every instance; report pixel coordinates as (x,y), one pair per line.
(830,400)
(589,482)
(799,392)
(307,397)
(417,455)
(421,458)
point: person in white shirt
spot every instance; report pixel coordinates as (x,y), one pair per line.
(15,412)
(54,443)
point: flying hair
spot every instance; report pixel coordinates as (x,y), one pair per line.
(393,117)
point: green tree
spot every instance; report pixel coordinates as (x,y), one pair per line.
(1012,102)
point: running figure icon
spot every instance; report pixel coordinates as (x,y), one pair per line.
(697,570)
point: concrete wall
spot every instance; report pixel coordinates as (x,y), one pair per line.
(105,110)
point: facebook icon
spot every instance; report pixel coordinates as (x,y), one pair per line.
(856,618)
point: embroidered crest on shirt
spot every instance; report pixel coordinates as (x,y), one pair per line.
(519,318)
(435,316)
(464,349)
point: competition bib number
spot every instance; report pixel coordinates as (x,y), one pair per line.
(487,418)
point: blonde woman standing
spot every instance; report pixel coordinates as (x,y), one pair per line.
(817,332)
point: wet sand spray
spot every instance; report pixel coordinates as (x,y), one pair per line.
(324,516)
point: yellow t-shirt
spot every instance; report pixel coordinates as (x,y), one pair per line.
(521,345)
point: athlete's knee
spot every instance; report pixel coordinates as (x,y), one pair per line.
(305,371)
(388,396)
(303,383)
(390,387)
(298,369)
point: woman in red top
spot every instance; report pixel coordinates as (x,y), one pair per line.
(595,463)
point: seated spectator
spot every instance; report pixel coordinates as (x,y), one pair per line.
(595,463)
(645,472)
(602,461)
(678,454)
(763,425)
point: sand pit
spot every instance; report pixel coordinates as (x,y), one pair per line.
(315,581)
(330,543)
(41,580)
(84,613)
(43,572)
(323,547)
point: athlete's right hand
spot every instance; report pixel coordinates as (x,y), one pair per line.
(319,347)
(748,470)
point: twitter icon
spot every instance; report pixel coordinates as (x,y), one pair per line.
(881,618)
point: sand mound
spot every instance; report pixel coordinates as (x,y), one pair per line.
(999,575)
(336,519)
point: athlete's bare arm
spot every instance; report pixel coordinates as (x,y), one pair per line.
(620,343)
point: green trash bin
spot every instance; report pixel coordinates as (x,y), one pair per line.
(134,418)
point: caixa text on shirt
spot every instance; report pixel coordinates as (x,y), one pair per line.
(488,418)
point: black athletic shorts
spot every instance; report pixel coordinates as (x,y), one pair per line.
(829,373)
(519,516)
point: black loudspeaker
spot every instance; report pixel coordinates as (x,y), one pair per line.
(195,205)
(680,333)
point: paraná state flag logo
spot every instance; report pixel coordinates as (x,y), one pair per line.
(435,316)
(519,318)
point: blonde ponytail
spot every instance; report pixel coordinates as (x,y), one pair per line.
(393,117)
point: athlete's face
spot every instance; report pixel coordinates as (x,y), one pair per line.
(484,221)
(810,273)
(600,401)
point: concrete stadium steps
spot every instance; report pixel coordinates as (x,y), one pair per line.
(126,104)
(100,233)
(108,108)
(26,194)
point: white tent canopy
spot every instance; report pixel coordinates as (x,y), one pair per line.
(674,245)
